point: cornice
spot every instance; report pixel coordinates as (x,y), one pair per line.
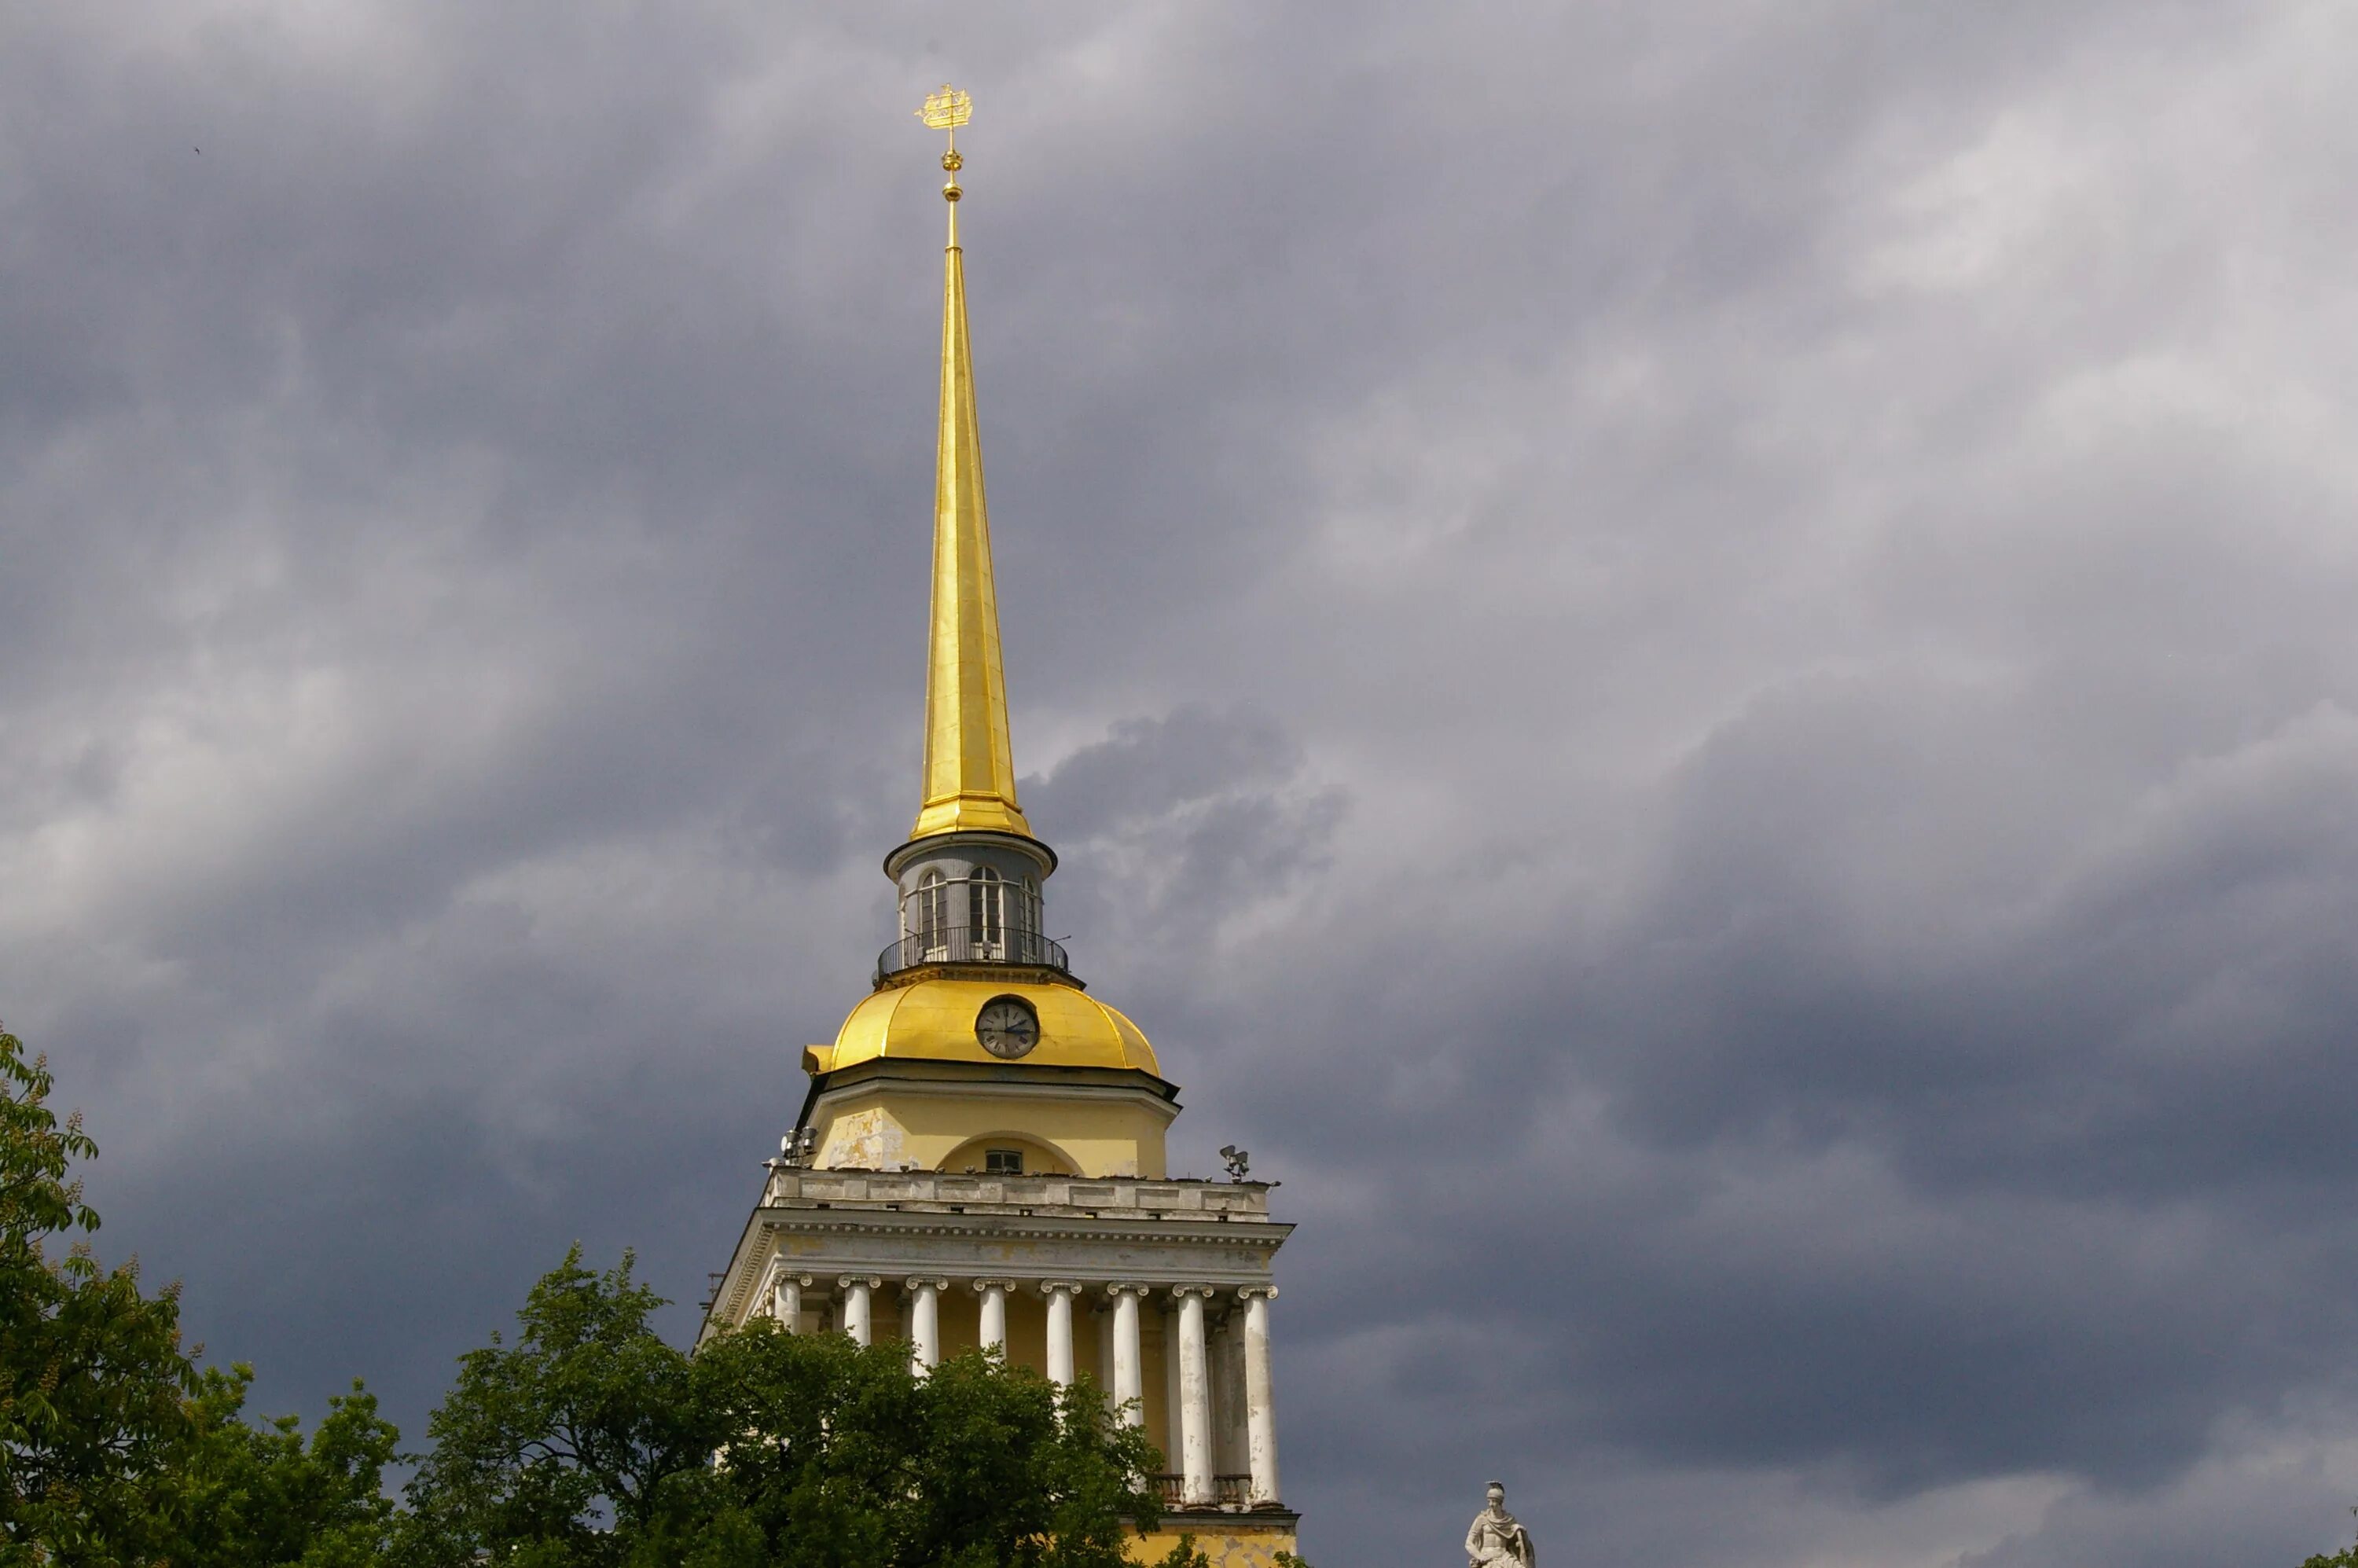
(1024,1078)
(1210,1232)
(1154,1100)
(894,1226)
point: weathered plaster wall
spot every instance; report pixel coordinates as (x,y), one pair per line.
(1230,1541)
(885,1125)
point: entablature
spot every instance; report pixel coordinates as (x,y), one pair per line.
(1095,1197)
(1096,1232)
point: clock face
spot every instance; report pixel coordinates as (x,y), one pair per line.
(1007,1026)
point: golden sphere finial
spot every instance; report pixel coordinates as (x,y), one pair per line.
(946,110)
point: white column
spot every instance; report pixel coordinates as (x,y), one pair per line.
(856,1288)
(1060,1294)
(787,1301)
(1174,1438)
(1194,1400)
(1103,1314)
(926,1322)
(1126,1391)
(1230,1446)
(994,1313)
(1261,1403)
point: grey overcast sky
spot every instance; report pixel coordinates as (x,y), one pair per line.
(1696,662)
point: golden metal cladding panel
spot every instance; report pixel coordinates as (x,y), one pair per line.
(933,1019)
(970,760)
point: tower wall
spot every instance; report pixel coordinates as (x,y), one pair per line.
(888,1125)
(976,1037)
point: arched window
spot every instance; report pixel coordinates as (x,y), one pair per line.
(986,908)
(1027,921)
(933,902)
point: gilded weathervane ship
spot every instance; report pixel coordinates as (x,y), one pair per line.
(946,110)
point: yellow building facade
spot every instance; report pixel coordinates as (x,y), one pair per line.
(980,1158)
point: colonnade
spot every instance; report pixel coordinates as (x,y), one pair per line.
(1240,1369)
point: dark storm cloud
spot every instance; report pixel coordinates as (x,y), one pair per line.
(1694,662)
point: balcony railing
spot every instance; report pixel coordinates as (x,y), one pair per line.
(1231,1493)
(1191,1201)
(964,945)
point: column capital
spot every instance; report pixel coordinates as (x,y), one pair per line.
(845,1281)
(1180,1292)
(1062,1287)
(1126,1289)
(915,1283)
(779,1272)
(982,1285)
(1266,1292)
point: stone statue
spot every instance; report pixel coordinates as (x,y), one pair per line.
(1494,1540)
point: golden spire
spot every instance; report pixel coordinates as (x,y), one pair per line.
(969,763)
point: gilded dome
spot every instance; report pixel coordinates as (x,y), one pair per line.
(933,1019)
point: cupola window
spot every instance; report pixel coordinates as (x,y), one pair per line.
(986,898)
(933,901)
(951,913)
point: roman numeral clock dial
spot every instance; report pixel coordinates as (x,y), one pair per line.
(1007,1026)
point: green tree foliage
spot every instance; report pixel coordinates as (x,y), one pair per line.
(94,1390)
(581,1433)
(115,1450)
(2345,1558)
(250,1494)
(591,1442)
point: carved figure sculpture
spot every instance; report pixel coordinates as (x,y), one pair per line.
(1494,1540)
